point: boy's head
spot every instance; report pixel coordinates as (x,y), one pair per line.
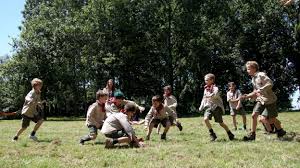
(252,67)
(209,79)
(119,97)
(168,90)
(231,86)
(129,110)
(156,101)
(101,96)
(37,84)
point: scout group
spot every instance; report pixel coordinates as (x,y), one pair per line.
(112,114)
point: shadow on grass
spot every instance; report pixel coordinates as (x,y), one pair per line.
(290,137)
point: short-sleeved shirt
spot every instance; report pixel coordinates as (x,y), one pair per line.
(112,108)
(32,99)
(171,102)
(163,113)
(233,95)
(211,99)
(116,122)
(262,82)
(95,115)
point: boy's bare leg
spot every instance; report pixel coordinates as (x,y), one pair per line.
(229,133)
(158,128)
(163,136)
(266,122)
(244,121)
(149,131)
(20,131)
(124,140)
(207,123)
(254,121)
(234,121)
(252,135)
(276,122)
(224,126)
(37,125)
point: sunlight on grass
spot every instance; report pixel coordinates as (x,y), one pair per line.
(59,147)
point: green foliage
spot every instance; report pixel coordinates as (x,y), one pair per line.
(76,46)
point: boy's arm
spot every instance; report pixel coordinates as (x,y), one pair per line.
(149,116)
(268,84)
(174,105)
(136,105)
(90,116)
(202,102)
(127,127)
(170,112)
(214,94)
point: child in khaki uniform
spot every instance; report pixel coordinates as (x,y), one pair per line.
(213,105)
(265,101)
(233,97)
(95,116)
(118,103)
(117,128)
(29,110)
(171,102)
(158,114)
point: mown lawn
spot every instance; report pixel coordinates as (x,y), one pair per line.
(58,147)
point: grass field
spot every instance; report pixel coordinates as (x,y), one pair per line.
(58,147)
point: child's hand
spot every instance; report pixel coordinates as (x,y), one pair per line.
(142,109)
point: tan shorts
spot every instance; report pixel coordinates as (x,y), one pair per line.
(267,110)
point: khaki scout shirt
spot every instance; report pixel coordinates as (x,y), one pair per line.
(112,108)
(95,115)
(264,84)
(165,112)
(115,122)
(32,100)
(234,95)
(212,100)
(171,102)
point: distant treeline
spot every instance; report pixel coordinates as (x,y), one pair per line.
(75,46)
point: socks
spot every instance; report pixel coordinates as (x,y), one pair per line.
(211,131)
(115,141)
(32,133)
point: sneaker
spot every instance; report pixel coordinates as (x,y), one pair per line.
(178,124)
(81,142)
(15,138)
(250,137)
(230,136)
(163,136)
(109,143)
(34,138)
(213,136)
(281,133)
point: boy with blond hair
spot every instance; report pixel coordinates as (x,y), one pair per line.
(158,114)
(29,110)
(213,105)
(265,101)
(95,117)
(235,104)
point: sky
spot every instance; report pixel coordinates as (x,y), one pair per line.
(11,18)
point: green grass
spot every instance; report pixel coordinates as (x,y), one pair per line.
(58,147)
